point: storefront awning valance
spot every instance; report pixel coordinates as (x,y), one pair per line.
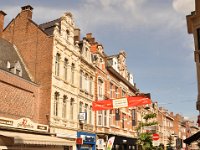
(192,138)
(35,139)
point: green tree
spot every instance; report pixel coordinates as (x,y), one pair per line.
(145,139)
(170,143)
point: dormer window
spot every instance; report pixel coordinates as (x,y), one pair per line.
(15,68)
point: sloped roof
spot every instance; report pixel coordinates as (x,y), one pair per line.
(8,53)
(48,27)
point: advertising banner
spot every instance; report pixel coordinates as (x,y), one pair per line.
(110,143)
(119,103)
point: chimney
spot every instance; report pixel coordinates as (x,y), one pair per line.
(27,10)
(77,34)
(89,35)
(2,15)
(197,6)
(90,38)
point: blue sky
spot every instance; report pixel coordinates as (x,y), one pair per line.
(152,32)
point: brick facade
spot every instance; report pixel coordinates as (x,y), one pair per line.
(35,48)
(19,97)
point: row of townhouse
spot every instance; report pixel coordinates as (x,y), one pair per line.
(172,129)
(68,74)
(49,79)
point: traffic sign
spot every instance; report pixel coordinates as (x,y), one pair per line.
(155,137)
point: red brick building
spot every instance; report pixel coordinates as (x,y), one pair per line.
(35,47)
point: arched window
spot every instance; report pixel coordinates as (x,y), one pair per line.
(71,109)
(65,68)
(72,73)
(64,110)
(56,102)
(57,64)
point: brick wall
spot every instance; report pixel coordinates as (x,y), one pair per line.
(19,98)
(35,48)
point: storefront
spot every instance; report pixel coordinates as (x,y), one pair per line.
(24,134)
(123,143)
(88,141)
(23,141)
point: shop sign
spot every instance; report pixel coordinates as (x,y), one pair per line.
(100,144)
(156,143)
(88,138)
(82,116)
(110,142)
(79,141)
(119,103)
(23,123)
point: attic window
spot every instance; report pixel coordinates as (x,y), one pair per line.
(67,31)
(15,68)
(67,34)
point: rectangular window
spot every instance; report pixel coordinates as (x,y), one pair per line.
(64,110)
(81,80)
(111,90)
(99,121)
(111,118)
(90,116)
(90,91)
(71,109)
(198,38)
(100,89)
(57,64)
(80,106)
(116,92)
(86,111)
(72,73)
(123,120)
(56,99)
(65,69)
(123,93)
(105,118)
(133,117)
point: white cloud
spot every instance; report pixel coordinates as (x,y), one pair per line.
(184,6)
(128,14)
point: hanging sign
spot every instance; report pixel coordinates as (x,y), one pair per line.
(119,103)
